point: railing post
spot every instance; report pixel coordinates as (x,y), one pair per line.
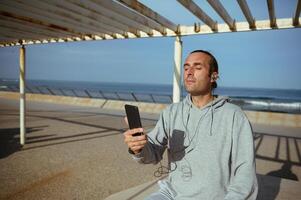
(51,92)
(119,98)
(102,94)
(177,70)
(74,93)
(133,95)
(40,91)
(22,97)
(89,95)
(152,97)
(62,91)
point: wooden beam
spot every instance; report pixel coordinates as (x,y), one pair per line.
(146,11)
(198,12)
(272,13)
(296,21)
(246,11)
(261,25)
(222,12)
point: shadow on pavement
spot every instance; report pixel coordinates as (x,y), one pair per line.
(10,141)
(289,143)
(72,140)
(269,186)
(47,140)
(284,172)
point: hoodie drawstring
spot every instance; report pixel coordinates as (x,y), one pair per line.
(211,123)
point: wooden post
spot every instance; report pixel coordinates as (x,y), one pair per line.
(177,70)
(22,97)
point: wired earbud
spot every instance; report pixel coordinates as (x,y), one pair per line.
(214,77)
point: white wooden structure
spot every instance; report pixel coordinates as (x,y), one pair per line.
(25,22)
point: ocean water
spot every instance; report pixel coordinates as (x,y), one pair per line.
(278,100)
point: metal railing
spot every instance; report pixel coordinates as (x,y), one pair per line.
(244,103)
(93,93)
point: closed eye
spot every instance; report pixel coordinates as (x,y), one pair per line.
(196,66)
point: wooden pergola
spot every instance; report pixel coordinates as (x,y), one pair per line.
(26,22)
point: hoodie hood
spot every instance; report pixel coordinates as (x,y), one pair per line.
(208,109)
(215,104)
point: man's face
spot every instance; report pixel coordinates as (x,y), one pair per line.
(196,74)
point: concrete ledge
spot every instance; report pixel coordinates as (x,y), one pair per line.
(269,188)
(271,118)
(136,193)
(102,103)
(143,107)
(267,118)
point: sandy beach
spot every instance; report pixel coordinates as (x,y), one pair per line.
(75,152)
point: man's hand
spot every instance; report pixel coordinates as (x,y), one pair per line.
(135,143)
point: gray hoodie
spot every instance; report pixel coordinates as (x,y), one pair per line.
(210,151)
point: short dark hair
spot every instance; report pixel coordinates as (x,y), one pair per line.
(213,64)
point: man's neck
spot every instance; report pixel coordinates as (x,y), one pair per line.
(201,100)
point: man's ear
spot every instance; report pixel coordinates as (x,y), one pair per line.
(214,76)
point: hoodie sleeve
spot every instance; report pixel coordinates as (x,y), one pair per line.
(157,142)
(243,182)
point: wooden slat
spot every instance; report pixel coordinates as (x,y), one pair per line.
(22,20)
(141,8)
(30,23)
(24,26)
(72,17)
(92,15)
(117,8)
(16,34)
(82,18)
(246,11)
(198,12)
(58,14)
(296,21)
(222,12)
(272,13)
(6,39)
(90,5)
(26,15)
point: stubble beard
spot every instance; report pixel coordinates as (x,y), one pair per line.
(193,90)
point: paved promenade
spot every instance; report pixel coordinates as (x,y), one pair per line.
(75,152)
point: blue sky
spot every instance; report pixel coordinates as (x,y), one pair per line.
(262,59)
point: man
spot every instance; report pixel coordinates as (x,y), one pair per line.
(209,141)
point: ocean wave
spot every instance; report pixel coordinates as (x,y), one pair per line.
(287,106)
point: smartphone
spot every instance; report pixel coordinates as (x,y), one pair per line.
(132,113)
